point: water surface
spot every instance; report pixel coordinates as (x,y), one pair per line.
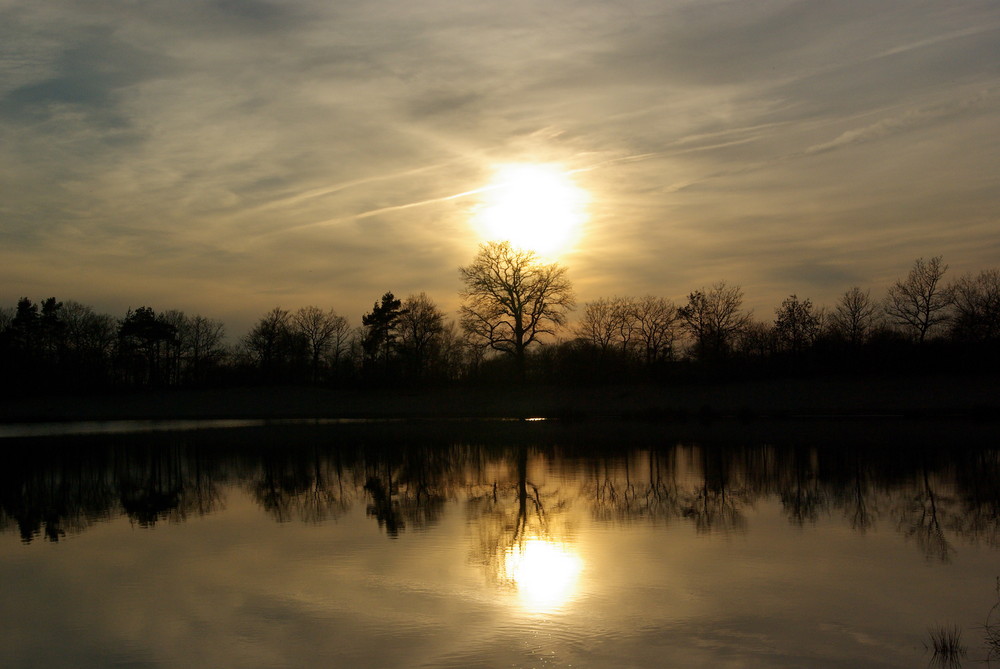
(495,545)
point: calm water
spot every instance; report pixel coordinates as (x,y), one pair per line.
(496,545)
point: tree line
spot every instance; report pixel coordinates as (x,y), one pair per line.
(921,320)
(512,304)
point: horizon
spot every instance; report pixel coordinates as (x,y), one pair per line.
(233,336)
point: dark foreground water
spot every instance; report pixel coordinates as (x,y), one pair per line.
(497,545)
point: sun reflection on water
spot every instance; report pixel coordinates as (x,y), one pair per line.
(544,572)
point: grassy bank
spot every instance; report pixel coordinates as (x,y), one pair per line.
(928,396)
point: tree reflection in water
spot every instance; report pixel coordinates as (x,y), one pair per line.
(933,494)
(922,515)
(408,486)
(523,539)
(307,486)
(696,485)
(979,494)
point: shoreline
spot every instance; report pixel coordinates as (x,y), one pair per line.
(938,397)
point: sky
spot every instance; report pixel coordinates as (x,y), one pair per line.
(224,157)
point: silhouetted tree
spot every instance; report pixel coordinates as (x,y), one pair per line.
(90,343)
(795,325)
(855,316)
(655,322)
(272,345)
(324,332)
(145,343)
(714,319)
(420,326)
(607,324)
(976,302)
(19,346)
(920,303)
(511,299)
(51,331)
(202,348)
(756,340)
(381,329)
(455,355)
(23,330)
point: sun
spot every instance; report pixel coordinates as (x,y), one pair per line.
(535,207)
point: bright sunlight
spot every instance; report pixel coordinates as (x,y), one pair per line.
(534,207)
(545,573)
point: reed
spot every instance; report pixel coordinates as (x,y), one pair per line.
(991,629)
(946,642)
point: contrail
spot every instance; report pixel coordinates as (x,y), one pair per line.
(384,210)
(638,157)
(421,203)
(344,185)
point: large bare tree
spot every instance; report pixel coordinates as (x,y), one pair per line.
(511,299)
(919,303)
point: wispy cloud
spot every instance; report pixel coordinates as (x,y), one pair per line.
(310,149)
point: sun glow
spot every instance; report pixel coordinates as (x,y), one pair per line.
(544,572)
(534,207)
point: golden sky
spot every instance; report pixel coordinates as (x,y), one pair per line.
(224,157)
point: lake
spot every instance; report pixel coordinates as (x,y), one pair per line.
(496,544)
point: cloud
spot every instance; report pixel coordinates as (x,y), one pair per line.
(293,148)
(911,118)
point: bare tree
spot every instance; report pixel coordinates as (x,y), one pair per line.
(420,327)
(198,344)
(88,333)
(855,316)
(714,318)
(6,317)
(90,341)
(655,325)
(608,323)
(320,329)
(511,299)
(271,344)
(756,340)
(203,344)
(919,303)
(338,353)
(796,325)
(455,354)
(977,306)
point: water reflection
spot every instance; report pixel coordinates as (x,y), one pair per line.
(515,487)
(508,545)
(544,572)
